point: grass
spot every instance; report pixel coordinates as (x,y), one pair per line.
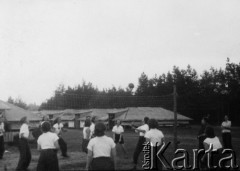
(77,160)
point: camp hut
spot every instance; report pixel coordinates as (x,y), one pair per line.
(135,115)
(12,116)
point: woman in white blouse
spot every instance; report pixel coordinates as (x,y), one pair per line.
(47,145)
(226,133)
(101,151)
(118,136)
(213,140)
(156,138)
(2,131)
(86,135)
(25,153)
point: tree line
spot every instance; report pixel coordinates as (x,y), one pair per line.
(215,92)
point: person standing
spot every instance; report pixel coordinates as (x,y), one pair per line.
(86,135)
(140,144)
(2,130)
(58,129)
(92,127)
(101,151)
(201,134)
(118,136)
(156,138)
(47,145)
(211,139)
(226,133)
(25,153)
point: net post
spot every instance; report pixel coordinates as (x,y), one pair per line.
(175,116)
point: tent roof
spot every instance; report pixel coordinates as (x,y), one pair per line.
(15,113)
(138,114)
(3,106)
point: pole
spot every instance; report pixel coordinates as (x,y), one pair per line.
(175,116)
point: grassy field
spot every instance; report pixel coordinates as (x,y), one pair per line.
(77,160)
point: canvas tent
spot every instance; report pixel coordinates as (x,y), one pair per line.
(12,114)
(70,117)
(164,116)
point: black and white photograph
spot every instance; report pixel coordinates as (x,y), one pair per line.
(119,85)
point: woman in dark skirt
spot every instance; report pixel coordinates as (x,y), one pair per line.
(2,130)
(156,139)
(47,145)
(201,134)
(86,135)
(213,140)
(101,151)
(226,133)
(25,153)
(118,136)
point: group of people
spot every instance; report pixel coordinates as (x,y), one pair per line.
(207,137)
(48,142)
(101,149)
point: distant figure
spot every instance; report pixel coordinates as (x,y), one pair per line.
(201,134)
(38,131)
(47,145)
(58,129)
(86,135)
(118,136)
(45,119)
(226,133)
(156,139)
(2,131)
(25,153)
(140,144)
(214,140)
(101,151)
(92,127)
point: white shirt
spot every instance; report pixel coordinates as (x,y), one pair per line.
(2,129)
(228,125)
(85,133)
(118,129)
(47,140)
(24,130)
(215,141)
(156,137)
(101,146)
(92,128)
(144,127)
(58,128)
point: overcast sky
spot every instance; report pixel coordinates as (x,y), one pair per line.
(47,42)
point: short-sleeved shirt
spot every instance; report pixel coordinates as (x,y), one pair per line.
(228,125)
(101,146)
(58,128)
(2,130)
(156,137)
(47,140)
(92,129)
(215,141)
(24,130)
(144,127)
(118,129)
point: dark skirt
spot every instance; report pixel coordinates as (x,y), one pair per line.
(117,138)
(48,160)
(25,154)
(2,149)
(84,145)
(227,140)
(102,163)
